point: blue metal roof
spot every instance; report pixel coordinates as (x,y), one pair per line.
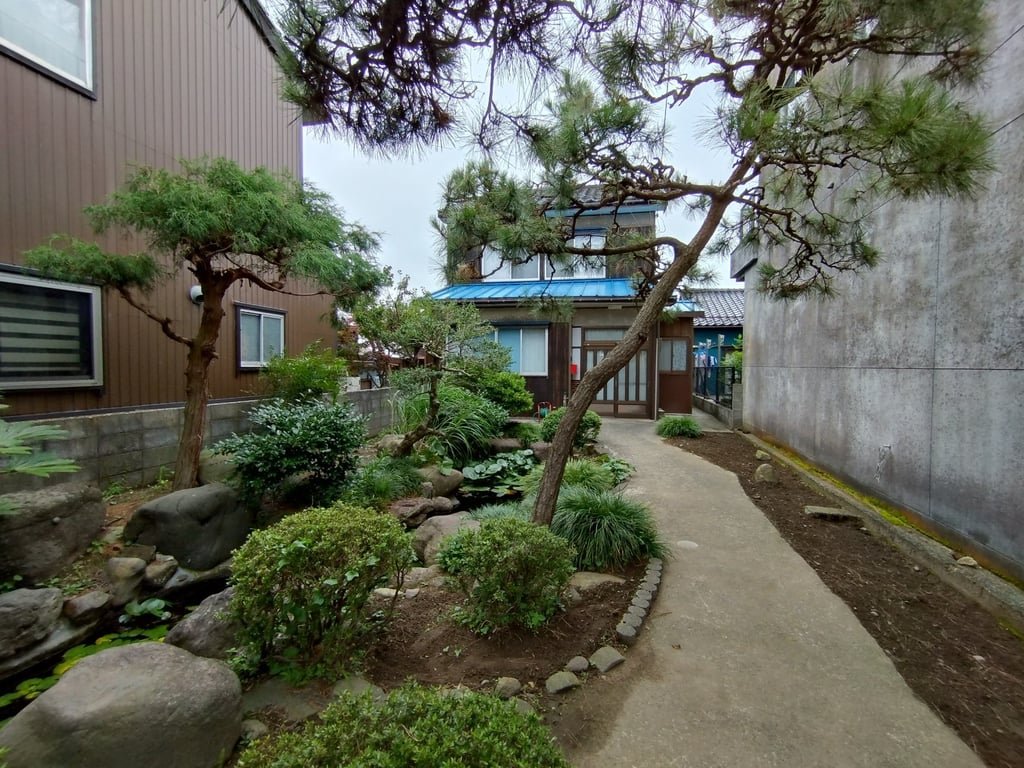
(516,290)
(589,289)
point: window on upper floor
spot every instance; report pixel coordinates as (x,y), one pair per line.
(260,336)
(50,334)
(580,268)
(55,36)
(528,347)
(492,267)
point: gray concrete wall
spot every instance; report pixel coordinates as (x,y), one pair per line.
(910,383)
(136,447)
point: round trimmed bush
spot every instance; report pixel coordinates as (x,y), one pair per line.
(605,529)
(512,572)
(586,432)
(415,727)
(678,426)
(303,585)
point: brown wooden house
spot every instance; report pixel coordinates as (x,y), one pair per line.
(552,355)
(88,89)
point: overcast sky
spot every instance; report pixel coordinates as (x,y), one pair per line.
(396,198)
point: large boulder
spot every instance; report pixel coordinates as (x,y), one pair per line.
(414,510)
(209,630)
(26,617)
(428,537)
(443,484)
(148,704)
(49,529)
(198,526)
(504,444)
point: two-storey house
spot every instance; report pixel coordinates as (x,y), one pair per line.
(553,354)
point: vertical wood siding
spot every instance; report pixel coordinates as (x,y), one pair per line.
(173,79)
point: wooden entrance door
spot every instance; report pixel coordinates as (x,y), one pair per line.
(627,393)
(674,378)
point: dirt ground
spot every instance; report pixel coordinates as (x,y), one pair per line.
(966,665)
(424,644)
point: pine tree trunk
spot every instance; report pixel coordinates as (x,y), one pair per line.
(644,323)
(201,353)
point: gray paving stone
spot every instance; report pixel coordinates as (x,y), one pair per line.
(561,682)
(577,664)
(605,658)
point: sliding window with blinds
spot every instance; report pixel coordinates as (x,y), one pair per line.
(50,334)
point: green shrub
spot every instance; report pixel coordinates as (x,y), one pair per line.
(507,389)
(465,422)
(381,481)
(678,426)
(302,588)
(312,437)
(620,468)
(512,572)
(605,529)
(578,472)
(526,432)
(314,375)
(499,474)
(498,511)
(415,727)
(586,432)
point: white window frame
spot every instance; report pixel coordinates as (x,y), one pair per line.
(571,271)
(256,365)
(521,328)
(503,271)
(96,321)
(36,59)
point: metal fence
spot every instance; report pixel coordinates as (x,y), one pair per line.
(716,382)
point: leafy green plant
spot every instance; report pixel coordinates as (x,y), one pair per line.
(678,426)
(317,438)
(414,727)
(19,453)
(114,489)
(464,423)
(620,468)
(586,432)
(499,474)
(578,472)
(497,511)
(381,481)
(512,573)
(734,359)
(11,583)
(605,529)
(316,374)
(303,586)
(501,387)
(153,608)
(526,432)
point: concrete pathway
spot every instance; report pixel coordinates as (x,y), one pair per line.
(748,660)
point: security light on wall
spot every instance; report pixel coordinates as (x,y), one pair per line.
(195,293)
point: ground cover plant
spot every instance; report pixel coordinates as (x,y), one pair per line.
(415,727)
(605,529)
(381,481)
(499,475)
(585,434)
(314,438)
(678,426)
(303,585)
(513,573)
(584,473)
(514,509)
(461,427)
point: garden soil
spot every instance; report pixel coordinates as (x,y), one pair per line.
(965,664)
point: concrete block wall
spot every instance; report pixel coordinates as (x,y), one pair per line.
(136,447)
(910,384)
